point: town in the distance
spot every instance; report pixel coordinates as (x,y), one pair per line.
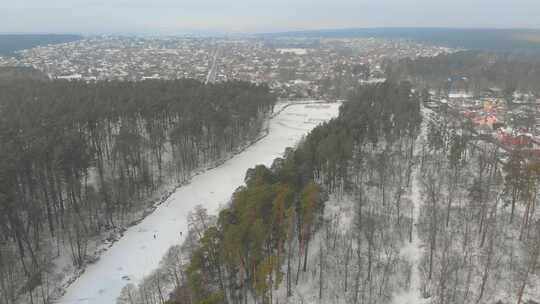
(293,67)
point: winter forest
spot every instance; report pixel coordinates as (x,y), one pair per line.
(80,161)
(390,202)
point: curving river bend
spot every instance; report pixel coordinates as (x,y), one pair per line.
(138,252)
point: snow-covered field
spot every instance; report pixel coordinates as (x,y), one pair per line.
(295,51)
(142,246)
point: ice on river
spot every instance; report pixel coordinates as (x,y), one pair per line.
(142,246)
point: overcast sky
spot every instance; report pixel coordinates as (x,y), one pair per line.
(178,16)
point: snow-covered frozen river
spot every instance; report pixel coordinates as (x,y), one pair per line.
(138,253)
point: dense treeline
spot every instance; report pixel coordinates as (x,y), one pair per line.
(13,75)
(482,70)
(258,249)
(342,79)
(522,40)
(77,159)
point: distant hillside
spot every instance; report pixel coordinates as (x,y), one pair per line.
(9,44)
(473,39)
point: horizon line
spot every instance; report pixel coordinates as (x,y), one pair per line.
(219,32)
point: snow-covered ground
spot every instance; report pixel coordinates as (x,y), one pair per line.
(295,51)
(142,246)
(414,251)
(460,95)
